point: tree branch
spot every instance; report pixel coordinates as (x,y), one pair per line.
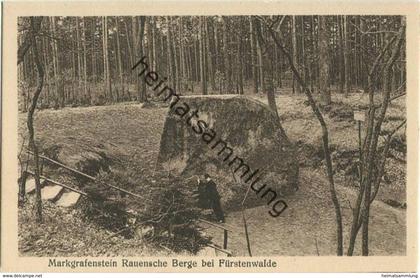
(383,161)
(325,139)
(27,39)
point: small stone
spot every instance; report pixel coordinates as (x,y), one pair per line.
(30,185)
(51,192)
(68,199)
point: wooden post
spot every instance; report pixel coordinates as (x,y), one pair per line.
(360,140)
(225,239)
(359,116)
(248,244)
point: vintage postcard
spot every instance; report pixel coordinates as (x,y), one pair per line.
(209,137)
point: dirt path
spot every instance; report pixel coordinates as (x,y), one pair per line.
(309,224)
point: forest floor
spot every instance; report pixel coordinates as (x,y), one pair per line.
(306,227)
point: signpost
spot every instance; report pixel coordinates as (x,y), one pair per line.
(359,116)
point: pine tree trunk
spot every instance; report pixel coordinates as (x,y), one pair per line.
(142,92)
(240,73)
(177,61)
(363,55)
(107,81)
(226,54)
(253,57)
(260,58)
(73,69)
(209,54)
(347,56)
(296,87)
(304,72)
(47,77)
(93,50)
(79,59)
(84,61)
(216,49)
(341,54)
(58,98)
(182,58)
(154,41)
(150,42)
(171,54)
(314,44)
(323,62)
(129,45)
(120,71)
(197,59)
(202,58)
(131,77)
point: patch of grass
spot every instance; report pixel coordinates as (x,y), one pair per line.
(66,232)
(126,137)
(303,128)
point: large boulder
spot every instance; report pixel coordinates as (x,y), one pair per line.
(248,127)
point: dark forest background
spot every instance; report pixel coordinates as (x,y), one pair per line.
(88,60)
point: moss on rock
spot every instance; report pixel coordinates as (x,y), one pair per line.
(249,128)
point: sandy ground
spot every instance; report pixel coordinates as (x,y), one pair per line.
(307,227)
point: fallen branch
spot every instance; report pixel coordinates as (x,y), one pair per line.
(214,224)
(72,189)
(58,183)
(383,161)
(88,176)
(316,246)
(220,249)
